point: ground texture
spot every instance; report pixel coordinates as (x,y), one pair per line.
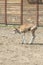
(12,52)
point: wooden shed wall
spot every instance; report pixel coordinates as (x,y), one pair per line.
(14,12)
(30,11)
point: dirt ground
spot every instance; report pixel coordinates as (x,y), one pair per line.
(12,52)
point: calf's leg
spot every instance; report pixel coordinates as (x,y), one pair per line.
(33,37)
(23,39)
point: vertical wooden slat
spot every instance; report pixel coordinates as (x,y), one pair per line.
(21,11)
(6,12)
(37,12)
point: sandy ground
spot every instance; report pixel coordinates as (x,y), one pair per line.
(12,52)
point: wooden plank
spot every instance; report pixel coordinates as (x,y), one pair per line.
(41,14)
(13,19)
(13,1)
(29,11)
(2,19)
(2,1)
(2,11)
(13,11)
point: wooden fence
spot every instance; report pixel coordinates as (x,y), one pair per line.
(10,11)
(20,11)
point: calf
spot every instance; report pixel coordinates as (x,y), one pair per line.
(24,28)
